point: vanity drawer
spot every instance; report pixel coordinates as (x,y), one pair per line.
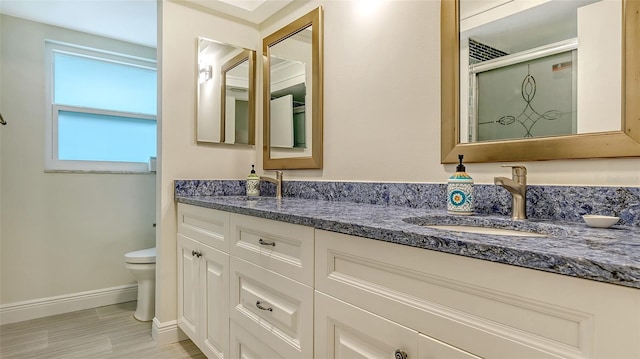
(282,247)
(245,345)
(205,225)
(273,308)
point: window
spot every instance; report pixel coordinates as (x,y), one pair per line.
(102,110)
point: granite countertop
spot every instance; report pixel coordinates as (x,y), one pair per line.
(574,249)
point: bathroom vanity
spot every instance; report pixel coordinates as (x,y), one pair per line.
(297,278)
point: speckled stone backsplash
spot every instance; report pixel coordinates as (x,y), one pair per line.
(561,203)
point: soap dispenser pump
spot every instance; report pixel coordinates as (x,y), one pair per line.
(253,183)
(460,191)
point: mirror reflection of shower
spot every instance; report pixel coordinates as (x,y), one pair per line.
(568,51)
(525,95)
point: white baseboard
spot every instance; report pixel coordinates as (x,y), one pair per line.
(38,308)
(166,332)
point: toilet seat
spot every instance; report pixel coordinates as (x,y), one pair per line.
(142,256)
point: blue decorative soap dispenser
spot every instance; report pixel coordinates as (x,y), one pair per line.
(460,191)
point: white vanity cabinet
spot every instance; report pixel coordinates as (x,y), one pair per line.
(256,288)
(374,297)
(271,288)
(203,278)
(245,284)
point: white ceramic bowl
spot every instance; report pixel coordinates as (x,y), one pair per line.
(600,221)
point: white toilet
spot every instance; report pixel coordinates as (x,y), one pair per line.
(142,265)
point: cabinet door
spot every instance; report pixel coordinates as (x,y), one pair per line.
(348,332)
(214,287)
(429,348)
(188,283)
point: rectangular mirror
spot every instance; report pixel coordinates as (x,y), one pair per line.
(226,93)
(293,95)
(537,80)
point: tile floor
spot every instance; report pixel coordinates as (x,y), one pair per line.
(105,332)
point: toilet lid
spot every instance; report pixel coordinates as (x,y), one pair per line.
(142,256)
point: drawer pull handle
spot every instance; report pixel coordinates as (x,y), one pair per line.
(400,354)
(259,305)
(193,253)
(265,243)
(196,254)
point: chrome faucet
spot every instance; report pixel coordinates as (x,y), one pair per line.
(517,186)
(277,181)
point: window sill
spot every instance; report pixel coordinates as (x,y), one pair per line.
(101,172)
(74,166)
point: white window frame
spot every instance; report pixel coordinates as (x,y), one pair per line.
(52,163)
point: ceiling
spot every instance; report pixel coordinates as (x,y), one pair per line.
(128,20)
(255,11)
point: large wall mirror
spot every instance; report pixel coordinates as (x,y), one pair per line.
(226,93)
(293,94)
(530,80)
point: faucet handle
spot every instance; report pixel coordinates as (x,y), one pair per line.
(517,170)
(518,173)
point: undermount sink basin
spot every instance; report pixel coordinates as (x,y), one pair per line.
(490,225)
(487,230)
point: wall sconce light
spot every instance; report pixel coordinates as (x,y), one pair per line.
(205,73)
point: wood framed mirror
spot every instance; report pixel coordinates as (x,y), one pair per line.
(225,94)
(237,100)
(293,94)
(621,141)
